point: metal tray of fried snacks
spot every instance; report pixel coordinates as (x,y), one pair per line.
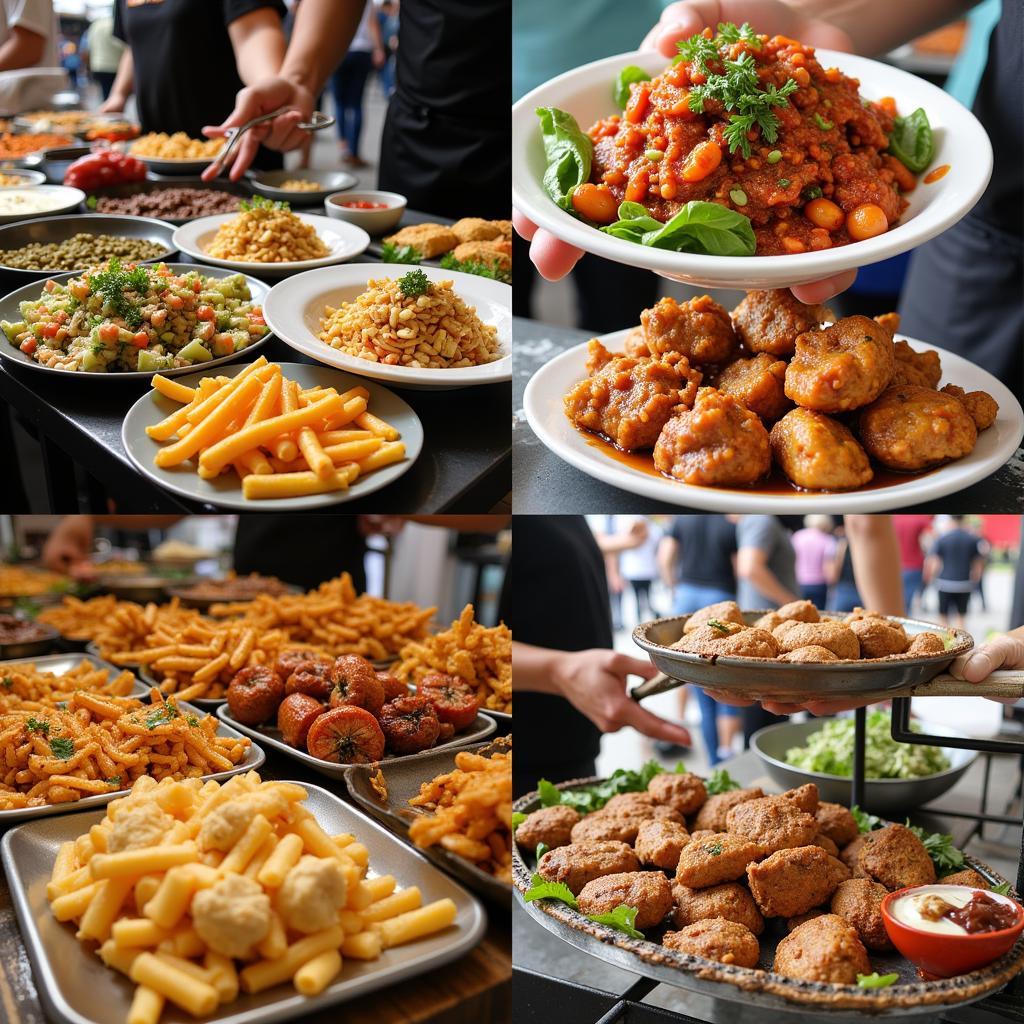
(76,988)
(59,664)
(401,780)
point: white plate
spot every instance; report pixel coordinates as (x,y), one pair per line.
(226,489)
(27,177)
(267,183)
(542,401)
(29,292)
(294,308)
(67,200)
(586,92)
(163,165)
(345,242)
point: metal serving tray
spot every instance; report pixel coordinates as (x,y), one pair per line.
(24,650)
(785,682)
(403,777)
(480,729)
(58,664)
(76,988)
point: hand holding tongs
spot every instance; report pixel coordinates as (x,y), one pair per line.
(316,123)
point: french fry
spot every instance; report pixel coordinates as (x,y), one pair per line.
(368,421)
(353,451)
(292,485)
(388,453)
(172,389)
(284,447)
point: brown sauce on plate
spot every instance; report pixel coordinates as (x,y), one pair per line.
(933,176)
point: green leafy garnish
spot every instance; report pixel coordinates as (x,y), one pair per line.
(713,848)
(92,202)
(112,284)
(784,182)
(812,192)
(481,268)
(821,122)
(192,720)
(622,918)
(391,253)
(586,799)
(414,283)
(542,890)
(35,725)
(542,848)
(62,747)
(263,203)
(517,819)
(720,782)
(876,980)
(730,34)
(1003,888)
(940,848)
(718,626)
(699,227)
(162,715)
(698,50)
(912,141)
(569,151)
(7,682)
(865,822)
(114,780)
(625,78)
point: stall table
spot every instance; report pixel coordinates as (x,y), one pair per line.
(545,483)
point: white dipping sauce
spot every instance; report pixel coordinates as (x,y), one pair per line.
(907,911)
(26,200)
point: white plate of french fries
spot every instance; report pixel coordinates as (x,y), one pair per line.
(301,436)
(382,913)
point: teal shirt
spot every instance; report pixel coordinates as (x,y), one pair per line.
(549,38)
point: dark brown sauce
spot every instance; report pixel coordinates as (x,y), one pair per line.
(775,483)
(933,176)
(981,913)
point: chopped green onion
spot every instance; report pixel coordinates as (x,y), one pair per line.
(774,156)
(821,122)
(784,183)
(812,192)
(738,196)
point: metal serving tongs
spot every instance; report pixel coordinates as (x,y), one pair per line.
(317,122)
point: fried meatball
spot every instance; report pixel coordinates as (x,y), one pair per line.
(926,643)
(850,853)
(288,661)
(758,383)
(629,803)
(354,681)
(660,842)
(730,900)
(799,919)
(768,621)
(798,611)
(805,797)
(717,443)
(842,367)
(858,901)
(255,694)
(878,638)
(967,877)
(836,637)
(823,841)
(791,882)
(723,611)
(699,329)
(819,453)
(836,822)
(648,891)
(578,863)
(922,369)
(812,654)
(824,949)
(682,791)
(980,405)
(773,822)
(629,400)
(550,825)
(770,321)
(716,858)
(410,724)
(910,428)
(895,857)
(712,816)
(859,613)
(600,826)
(741,643)
(716,939)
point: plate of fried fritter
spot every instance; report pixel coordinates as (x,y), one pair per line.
(773,901)
(773,406)
(796,652)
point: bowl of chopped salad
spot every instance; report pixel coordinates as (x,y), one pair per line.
(130,321)
(899,776)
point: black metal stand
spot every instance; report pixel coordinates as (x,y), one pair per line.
(859,742)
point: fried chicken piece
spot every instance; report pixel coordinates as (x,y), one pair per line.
(550,825)
(799,919)
(770,321)
(836,637)
(504,229)
(600,826)
(818,453)
(429,240)
(716,939)
(773,822)
(805,797)
(841,367)
(758,383)
(476,229)
(910,428)
(824,949)
(492,253)
(836,822)
(812,654)
(578,863)
(711,860)
(682,791)
(648,891)
(629,400)
(980,405)
(792,881)
(879,639)
(922,369)
(889,321)
(712,816)
(730,901)
(660,842)
(722,611)
(725,641)
(717,443)
(850,853)
(699,329)
(926,643)
(967,877)
(858,901)
(826,844)
(895,857)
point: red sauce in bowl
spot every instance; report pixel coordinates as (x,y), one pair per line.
(363,204)
(982,914)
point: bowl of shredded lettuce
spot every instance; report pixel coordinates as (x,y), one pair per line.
(898,775)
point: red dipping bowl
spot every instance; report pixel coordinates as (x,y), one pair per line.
(942,954)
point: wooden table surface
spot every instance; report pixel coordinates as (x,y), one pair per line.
(473,989)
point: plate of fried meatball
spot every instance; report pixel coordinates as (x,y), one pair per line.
(796,651)
(772,900)
(771,403)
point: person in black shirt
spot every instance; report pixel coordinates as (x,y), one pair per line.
(954,565)
(187,59)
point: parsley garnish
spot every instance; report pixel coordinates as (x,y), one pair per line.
(414,283)
(7,682)
(263,203)
(34,725)
(62,748)
(481,268)
(192,720)
(719,627)
(111,285)
(784,182)
(812,192)
(720,782)
(163,714)
(714,849)
(391,253)
(542,848)
(940,848)
(114,780)
(865,822)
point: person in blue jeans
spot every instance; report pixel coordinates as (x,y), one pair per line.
(348,83)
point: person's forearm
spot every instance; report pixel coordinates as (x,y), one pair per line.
(766,582)
(124,80)
(259,44)
(875,31)
(314,53)
(534,668)
(22,49)
(875,553)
